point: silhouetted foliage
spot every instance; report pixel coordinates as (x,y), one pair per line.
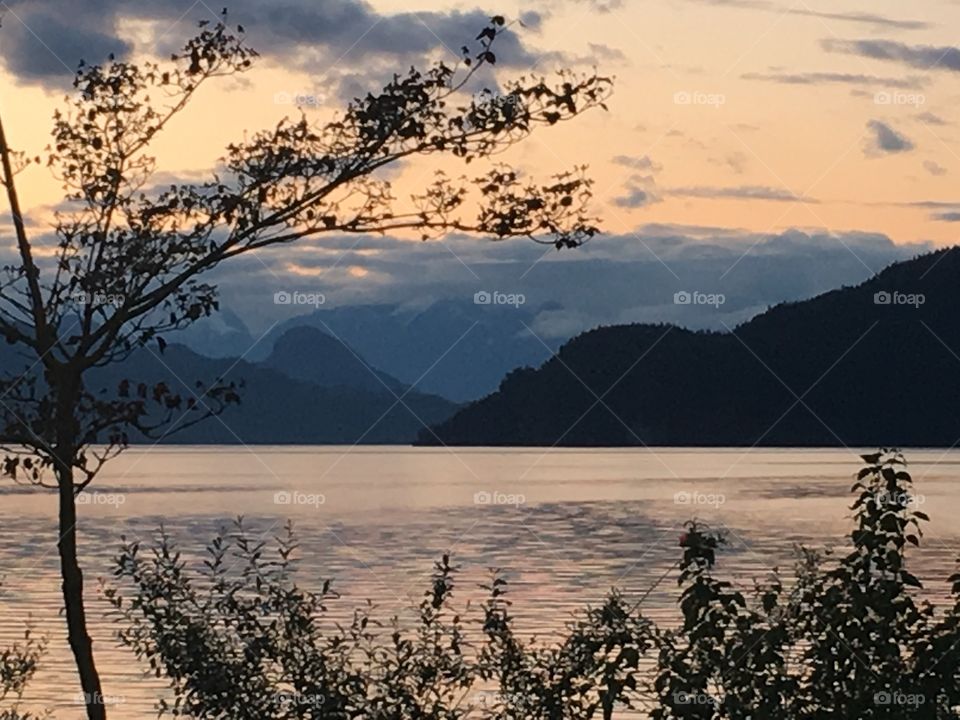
(848,639)
(18,664)
(130,254)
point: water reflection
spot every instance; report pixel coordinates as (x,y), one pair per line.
(565,526)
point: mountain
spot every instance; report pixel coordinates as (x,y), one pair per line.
(276,408)
(311,390)
(307,354)
(456,349)
(873,365)
(220,335)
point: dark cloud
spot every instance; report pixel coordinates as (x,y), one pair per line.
(947,216)
(886,140)
(745,192)
(934,168)
(40,45)
(823,78)
(924,57)
(318,37)
(615,278)
(627,277)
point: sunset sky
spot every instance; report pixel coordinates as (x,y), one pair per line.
(739,118)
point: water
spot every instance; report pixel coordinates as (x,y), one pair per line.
(565,526)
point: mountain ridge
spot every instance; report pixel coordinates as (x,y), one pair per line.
(802,373)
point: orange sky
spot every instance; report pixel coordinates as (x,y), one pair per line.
(730,113)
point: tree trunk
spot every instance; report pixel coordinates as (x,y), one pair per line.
(77,634)
(67,384)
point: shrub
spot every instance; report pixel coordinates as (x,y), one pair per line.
(239,639)
(18,664)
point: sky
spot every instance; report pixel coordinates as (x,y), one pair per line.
(738,128)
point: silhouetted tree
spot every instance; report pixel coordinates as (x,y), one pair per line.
(130,256)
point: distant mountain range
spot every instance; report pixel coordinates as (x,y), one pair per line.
(876,364)
(311,389)
(310,379)
(455,349)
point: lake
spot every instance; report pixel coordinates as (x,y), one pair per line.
(564,525)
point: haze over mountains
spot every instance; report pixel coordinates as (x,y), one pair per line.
(385,373)
(873,365)
(414,315)
(455,349)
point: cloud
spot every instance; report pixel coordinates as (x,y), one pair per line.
(630,276)
(743,192)
(947,216)
(602,6)
(640,191)
(824,78)
(532,20)
(624,277)
(934,168)
(886,140)
(637,163)
(925,204)
(930,119)
(924,57)
(736,162)
(44,44)
(863,18)
(40,45)
(859,18)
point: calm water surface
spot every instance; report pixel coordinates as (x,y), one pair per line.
(565,525)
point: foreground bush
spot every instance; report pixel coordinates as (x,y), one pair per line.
(18,664)
(239,640)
